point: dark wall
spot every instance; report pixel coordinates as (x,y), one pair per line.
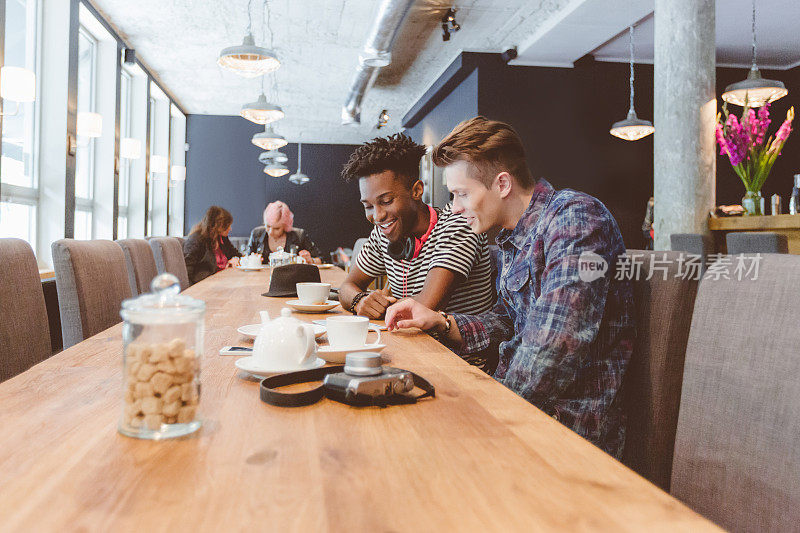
(459,105)
(223,169)
(563,117)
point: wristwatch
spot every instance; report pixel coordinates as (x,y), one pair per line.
(439,335)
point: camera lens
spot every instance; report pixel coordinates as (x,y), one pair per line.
(363,364)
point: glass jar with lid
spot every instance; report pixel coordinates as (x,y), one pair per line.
(162,337)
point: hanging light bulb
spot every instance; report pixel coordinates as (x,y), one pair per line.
(755,90)
(262,112)
(632,128)
(272,156)
(298,178)
(248,60)
(269,140)
(276,170)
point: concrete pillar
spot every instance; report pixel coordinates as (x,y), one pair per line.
(685,108)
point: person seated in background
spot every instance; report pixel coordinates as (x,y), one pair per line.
(565,337)
(207,249)
(277,231)
(429,254)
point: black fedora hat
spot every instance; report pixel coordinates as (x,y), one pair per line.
(284,279)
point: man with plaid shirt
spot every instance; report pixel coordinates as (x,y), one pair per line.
(563,323)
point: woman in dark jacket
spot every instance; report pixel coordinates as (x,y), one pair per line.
(207,248)
(277,231)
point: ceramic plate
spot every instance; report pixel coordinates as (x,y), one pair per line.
(311,308)
(262,267)
(338,356)
(251,330)
(251,367)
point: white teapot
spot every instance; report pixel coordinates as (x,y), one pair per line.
(284,343)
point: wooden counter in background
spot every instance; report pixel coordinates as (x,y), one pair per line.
(788,225)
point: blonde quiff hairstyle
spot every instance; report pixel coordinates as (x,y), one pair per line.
(491,146)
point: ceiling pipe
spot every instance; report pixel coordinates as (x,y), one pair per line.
(377,53)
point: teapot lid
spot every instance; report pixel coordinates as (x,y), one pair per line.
(164,304)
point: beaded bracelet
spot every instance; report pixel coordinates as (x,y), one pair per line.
(357,298)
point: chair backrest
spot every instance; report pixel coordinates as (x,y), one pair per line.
(140,263)
(92,281)
(753,242)
(168,254)
(24,330)
(663,299)
(694,243)
(737,459)
(357,249)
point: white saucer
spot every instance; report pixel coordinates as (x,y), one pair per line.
(251,330)
(311,308)
(339,355)
(262,267)
(248,365)
(325,265)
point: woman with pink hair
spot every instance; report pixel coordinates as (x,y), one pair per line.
(278,231)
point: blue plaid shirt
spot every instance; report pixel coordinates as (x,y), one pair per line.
(564,342)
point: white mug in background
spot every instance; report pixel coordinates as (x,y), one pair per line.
(310,293)
(346,332)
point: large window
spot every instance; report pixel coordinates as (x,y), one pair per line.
(19,192)
(84,164)
(125,105)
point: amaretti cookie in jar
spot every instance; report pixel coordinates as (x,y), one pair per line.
(162,338)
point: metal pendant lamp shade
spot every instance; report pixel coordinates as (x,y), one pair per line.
(298,178)
(248,60)
(754,91)
(262,112)
(272,156)
(632,128)
(269,140)
(276,170)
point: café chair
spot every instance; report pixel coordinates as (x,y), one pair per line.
(651,391)
(357,249)
(24,330)
(168,254)
(693,243)
(91,281)
(737,459)
(140,263)
(753,242)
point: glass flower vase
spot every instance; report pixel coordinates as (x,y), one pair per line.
(753,203)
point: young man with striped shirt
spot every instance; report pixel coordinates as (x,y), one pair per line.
(428,254)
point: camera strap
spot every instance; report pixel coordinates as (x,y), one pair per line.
(272,396)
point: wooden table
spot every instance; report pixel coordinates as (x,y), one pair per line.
(788,225)
(475,457)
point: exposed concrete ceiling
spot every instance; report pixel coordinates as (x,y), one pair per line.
(318,42)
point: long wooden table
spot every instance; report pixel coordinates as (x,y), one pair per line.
(475,457)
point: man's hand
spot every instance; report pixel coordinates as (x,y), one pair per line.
(375,303)
(409,313)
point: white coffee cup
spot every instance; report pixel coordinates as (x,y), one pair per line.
(346,332)
(310,293)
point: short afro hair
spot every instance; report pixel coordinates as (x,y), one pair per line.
(397,153)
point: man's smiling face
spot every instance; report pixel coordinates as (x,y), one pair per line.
(389,204)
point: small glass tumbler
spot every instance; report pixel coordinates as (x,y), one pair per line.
(162,338)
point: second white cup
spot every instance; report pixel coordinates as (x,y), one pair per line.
(311,293)
(349,332)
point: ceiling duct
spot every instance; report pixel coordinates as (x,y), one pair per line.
(377,53)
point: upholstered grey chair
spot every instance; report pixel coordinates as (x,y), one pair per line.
(24,331)
(664,293)
(168,254)
(92,281)
(737,459)
(693,243)
(140,263)
(752,242)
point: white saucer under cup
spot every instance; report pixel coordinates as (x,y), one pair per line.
(350,332)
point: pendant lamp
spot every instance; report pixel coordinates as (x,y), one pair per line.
(298,178)
(632,128)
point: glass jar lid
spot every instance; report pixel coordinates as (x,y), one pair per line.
(164,304)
